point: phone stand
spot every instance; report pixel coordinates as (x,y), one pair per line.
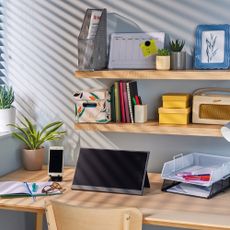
(55,178)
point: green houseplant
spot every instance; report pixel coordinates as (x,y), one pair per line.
(33,153)
(7,111)
(178,57)
(163,59)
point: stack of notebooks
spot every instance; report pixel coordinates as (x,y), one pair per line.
(123,94)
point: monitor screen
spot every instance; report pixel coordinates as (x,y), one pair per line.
(111,170)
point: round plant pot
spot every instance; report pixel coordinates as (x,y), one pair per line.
(7,116)
(162,62)
(178,60)
(33,159)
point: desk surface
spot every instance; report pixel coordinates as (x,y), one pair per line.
(158,208)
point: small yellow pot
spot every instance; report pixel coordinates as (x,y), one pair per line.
(162,62)
(33,159)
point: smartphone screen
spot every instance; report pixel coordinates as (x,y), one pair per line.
(56,160)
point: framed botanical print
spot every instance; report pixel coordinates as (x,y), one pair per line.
(212,47)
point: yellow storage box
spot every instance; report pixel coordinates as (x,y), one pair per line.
(175,100)
(174,116)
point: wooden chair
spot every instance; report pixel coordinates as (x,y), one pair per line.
(61,216)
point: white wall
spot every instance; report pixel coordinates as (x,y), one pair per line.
(42,50)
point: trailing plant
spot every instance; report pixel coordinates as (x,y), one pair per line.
(163,52)
(177,45)
(34,138)
(6,97)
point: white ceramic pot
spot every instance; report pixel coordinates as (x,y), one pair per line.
(7,116)
(162,62)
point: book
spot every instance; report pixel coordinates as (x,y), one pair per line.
(113,114)
(17,188)
(126,103)
(122,105)
(117,102)
(129,103)
(132,91)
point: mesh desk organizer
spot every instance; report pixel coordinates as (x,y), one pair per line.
(92,41)
(217,167)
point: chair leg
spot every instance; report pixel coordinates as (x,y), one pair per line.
(126,222)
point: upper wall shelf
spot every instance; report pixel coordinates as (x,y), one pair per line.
(157,75)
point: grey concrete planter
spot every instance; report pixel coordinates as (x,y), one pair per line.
(178,60)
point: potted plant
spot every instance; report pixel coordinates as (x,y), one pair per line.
(177,55)
(7,111)
(163,59)
(33,153)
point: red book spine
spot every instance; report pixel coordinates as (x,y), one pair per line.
(127,115)
(122,105)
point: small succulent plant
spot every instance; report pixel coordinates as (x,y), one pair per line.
(6,97)
(163,52)
(177,45)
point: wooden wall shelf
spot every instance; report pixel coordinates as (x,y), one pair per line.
(157,75)
(153,128)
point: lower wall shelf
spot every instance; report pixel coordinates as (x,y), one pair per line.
(152,127)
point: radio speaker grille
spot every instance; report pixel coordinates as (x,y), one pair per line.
(217,112)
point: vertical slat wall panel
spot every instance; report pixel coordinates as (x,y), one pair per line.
(2,57)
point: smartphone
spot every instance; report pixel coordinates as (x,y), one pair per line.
(56,161)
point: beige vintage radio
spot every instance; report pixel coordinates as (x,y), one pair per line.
(211,106)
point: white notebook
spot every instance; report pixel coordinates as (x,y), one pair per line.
(17,188)
(191,189)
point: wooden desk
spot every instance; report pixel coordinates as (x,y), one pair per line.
(158,208)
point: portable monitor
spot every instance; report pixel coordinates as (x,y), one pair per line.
(117,171)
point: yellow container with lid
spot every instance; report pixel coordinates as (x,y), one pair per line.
(174,116)
(175,100)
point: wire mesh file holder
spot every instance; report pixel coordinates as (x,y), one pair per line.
(181,175)
(92,41)
(178,164)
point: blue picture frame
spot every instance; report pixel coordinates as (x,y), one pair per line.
(212,47)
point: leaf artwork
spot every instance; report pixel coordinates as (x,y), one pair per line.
(81,112)
(211,49)
(95,96)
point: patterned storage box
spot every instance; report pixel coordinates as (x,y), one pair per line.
(92,106)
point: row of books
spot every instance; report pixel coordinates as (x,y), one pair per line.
(122,104)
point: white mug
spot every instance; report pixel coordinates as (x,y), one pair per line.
(140,113)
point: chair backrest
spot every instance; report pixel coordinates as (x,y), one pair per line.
(61,216)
